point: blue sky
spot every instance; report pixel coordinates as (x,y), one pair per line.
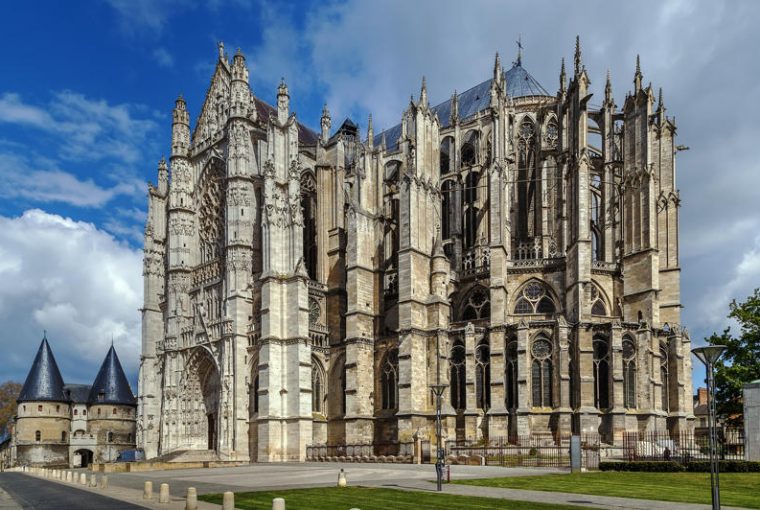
(85,108)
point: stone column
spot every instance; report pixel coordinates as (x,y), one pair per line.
(617,412)
(523,388)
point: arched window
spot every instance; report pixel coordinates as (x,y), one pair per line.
(317,387)
(526,179)
(447,155)
(129,437)
(483,375)
(511,375)
(551,136)
(597,303)
(391,237)
(63,436)
(601,373)
(37,436)
(470,148)
(211,208)
(447,200)
(470,210)
(389,380)
(597,252)
(255,394)
(457,365)
(534,298)
(110,437)
(309,208)
(629,373)
(477,305)
(665,377)
(541,372)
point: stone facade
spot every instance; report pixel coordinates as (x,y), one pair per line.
(71,425)
(305,288)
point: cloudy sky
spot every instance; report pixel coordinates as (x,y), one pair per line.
(85,110)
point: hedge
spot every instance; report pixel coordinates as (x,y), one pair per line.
(669,466)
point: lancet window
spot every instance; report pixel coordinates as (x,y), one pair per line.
(597,252)
(317,387)
(601,373)
(597,303)
(526,179)
(448,151)
(665,377)
(470,210)
(629,373)
(391,211)
(309,208)
(511,375)
(534,298)
(470,148)
(211,212)
(447,200)
(389,380)
(457,365)
(483,375)
(541,372)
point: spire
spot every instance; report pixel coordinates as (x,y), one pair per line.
(220,47)
(44,382)
(370,132)
(578,61)
(637,77)
(518,62)
(454,108)
(111,385)
(608,89)
(325,123)
(562,77)
(239,69)
(423,93)
(383,143)
(180,128)
(660,101)
(283,102)
(497,68)
(163,176)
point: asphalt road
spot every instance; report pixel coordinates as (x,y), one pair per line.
(36,493)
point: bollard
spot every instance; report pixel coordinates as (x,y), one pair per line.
(278,504)
(163,493)
(148,490)
(104,482)
(342,478)
(228,501)
(83,479)
(67,478)
(191,503)
(93,480)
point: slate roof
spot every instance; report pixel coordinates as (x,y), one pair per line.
(520,83)
(44,382)
(77,393)
(111,385)
(305,135)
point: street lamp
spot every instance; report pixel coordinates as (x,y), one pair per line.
(708,355)
(438,390)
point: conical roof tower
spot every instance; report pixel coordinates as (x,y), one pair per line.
(44,382)
(111,385)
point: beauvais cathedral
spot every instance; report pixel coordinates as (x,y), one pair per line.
(309,287)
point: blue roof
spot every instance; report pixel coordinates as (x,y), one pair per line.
(77,393)
(520,83)
(111,385)
(44,382)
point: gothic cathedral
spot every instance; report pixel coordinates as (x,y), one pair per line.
(307,288)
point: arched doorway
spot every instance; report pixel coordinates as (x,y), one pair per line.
(200,416)
(85,457)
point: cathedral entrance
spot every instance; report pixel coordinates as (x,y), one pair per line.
(200,403)
(211,430)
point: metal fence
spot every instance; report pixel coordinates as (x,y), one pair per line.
(682,447)
(525,451)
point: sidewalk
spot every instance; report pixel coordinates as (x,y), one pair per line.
(557,498)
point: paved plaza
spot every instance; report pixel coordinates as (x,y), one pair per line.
(22,490)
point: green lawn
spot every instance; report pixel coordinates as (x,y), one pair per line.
(333,498)
(736,489)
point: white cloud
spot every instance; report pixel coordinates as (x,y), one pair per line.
(163,57)
(73,280)
(147,16)
(40,180)
(84,129)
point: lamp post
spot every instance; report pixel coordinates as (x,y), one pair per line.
(708,355)
(438,390)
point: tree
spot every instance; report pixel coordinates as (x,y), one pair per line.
(740,363)
(9,392)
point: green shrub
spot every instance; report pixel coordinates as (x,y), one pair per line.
(701,466)
(726,466)
(667,466)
